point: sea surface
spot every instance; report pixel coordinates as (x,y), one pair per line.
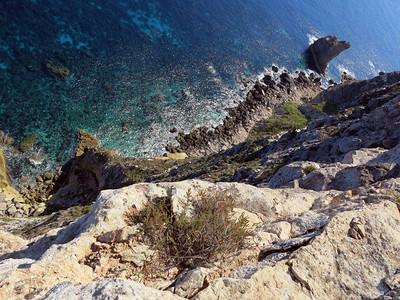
(129,71)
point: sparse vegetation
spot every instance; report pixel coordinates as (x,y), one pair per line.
(319,106)
(291,119)
(201,233)
(308,169)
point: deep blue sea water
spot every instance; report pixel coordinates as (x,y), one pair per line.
(139,68)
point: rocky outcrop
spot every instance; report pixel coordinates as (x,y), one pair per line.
(360,92)
(357,147)
(337,264)
(62,254)
(94,170)
(98,168)
(298,236)
(323,50)
(357,115)
(85,141)
(260,103)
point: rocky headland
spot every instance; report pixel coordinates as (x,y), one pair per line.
(315,173)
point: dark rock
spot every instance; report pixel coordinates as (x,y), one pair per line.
(346,77)
(91,172)
(323,50)
(158,98)
(286,79)
(288,245)
(354,93)
(364,175)
(392,295)
(275,69)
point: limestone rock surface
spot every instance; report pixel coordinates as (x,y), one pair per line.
(333,265)
(107,289)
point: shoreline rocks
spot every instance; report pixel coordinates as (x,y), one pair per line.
(259,104)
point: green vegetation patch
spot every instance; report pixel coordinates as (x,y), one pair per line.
(292,118)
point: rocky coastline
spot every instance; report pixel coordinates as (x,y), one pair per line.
(315,172)
(260,103)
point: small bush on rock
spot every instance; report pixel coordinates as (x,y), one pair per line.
(201,233)
(310,168)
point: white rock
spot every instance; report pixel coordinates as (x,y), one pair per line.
(191,282)
(332,266)
(139,255)
(284,176)
(107,289)
(280,229)
(362,156)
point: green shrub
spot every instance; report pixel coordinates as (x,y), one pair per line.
(308,169)
(203,231)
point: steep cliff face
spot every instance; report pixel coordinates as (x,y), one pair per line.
(323,50)
(11,202)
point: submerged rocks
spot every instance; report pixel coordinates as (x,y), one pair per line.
(323,50)
(28,142)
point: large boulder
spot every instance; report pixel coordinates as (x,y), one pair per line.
(353,258)
(323,50)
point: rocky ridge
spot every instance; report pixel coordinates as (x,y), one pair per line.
(322,203)
(260,103)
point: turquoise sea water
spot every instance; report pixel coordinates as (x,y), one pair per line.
(139,68)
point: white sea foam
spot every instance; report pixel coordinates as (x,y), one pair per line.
(374,70)
(311,38)
(342,69)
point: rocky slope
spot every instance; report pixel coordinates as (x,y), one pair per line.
(322,203)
